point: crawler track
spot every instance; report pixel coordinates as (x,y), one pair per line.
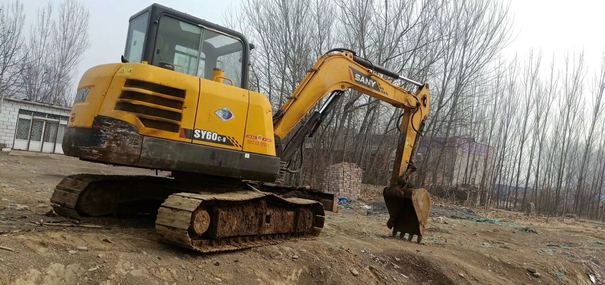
(176,217)
(206,217)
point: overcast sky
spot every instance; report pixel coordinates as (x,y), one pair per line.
(559,26)
(109,23)
(552,26)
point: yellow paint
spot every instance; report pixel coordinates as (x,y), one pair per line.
(259,128)
(216,96)
(161,76)
(251,126)
(199,108)
(218,75)
(98,80)
(125,70)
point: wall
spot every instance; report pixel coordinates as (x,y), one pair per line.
(462,162)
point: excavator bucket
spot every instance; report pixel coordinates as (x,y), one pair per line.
(409,210)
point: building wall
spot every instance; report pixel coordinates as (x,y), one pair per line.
(470,162)
(459,152)
(8,120)
(9,112)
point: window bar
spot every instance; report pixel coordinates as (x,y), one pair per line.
(29,133)
(43,134)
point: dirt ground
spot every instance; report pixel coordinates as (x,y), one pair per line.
(461,246)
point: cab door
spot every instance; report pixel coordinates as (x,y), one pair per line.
(221,115)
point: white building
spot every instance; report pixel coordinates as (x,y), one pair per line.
(32,126)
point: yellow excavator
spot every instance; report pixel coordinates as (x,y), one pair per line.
(179,102)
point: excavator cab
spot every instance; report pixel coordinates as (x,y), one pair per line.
(170,39)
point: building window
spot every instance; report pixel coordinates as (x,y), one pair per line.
(50,132)
(23,129)
(60,133)
(36,134)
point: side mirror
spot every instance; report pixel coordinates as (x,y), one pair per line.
(251,46)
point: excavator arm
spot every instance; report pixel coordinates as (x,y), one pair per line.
(336,72)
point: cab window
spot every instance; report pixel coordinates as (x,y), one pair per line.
(136,38)
(222,52)
(195,50)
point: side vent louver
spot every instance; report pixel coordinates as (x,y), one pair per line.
(157,106)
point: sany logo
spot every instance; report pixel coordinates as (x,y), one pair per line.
(364,79)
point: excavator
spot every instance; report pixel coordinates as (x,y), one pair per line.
(179,102)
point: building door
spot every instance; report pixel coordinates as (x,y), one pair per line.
(22,132)
(49,139)
(35,135)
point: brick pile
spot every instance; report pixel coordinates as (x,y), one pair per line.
(344,180)
(371,193)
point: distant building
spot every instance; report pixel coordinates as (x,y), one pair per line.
(463,161)
(32,126)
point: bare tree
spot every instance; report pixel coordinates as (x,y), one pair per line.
(530,85)
(473,33)
(569,106)
(12,53)
(57,43)
(287,35)
(70,41)
(543,106)
(595,117)
(35,74)
(529,119)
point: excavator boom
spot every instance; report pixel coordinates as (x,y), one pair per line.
(338,71)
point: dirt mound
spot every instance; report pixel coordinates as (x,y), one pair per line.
(419,269)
